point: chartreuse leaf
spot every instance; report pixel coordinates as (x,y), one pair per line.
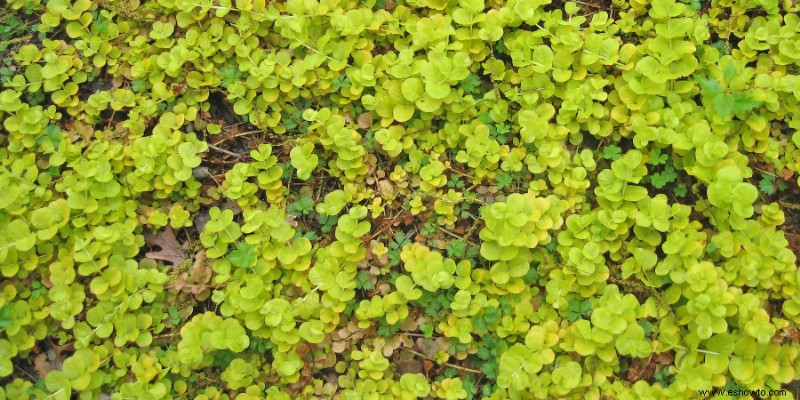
(568,376)
(402,199)
(515,369)
(312,331)
(304,160)
(19,235)
(730,72)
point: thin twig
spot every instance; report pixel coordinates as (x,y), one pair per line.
(787,204)
(456,236)
(215,180)
(766,172)
(238,135)
(413,334)
(588,4)
(380,231)
(166,335)
(642,370)
(221,150)
(33,378)
(474,371)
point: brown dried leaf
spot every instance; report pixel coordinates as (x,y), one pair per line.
(170,251)
(406,363)
(200,271)
(665,358)
(231,205)
(339,347)
(303,350)
(438,243)
(352,326)
(200,292)
(307,371)
(792,334)
(429,347)
(365,120)
(641,368)
(57,351)
(42,365)
(372,164)
(384,288)
(786,174)
(324,361)
(385,188)
(409,325)
(427,365)
(180,282)
(382,260)
(391,346)
(46,281)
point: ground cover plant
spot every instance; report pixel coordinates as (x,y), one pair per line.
(373,199)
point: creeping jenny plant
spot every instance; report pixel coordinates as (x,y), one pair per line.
(374,199)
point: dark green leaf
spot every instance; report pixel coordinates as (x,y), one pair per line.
(504,179)
(471,83)
(767,184)
(6,319)
(730,72)
(656,157)
(456,248)
(138,85)
(229,76)
(743,102)
(612,152)
(680,190)
(363,282)
(710,87)
(724,105)
(244,256)
(646,326)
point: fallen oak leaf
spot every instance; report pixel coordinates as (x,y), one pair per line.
(166,241)
(58,350)
(42,365)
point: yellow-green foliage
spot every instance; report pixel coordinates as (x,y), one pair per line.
(453,199)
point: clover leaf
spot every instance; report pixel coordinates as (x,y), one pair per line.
(612,152)
(579,309)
